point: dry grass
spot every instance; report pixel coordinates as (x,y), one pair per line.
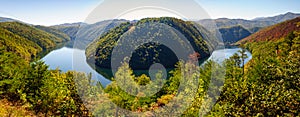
(8,109)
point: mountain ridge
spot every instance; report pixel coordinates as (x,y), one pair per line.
(253,26)
(99,52)
(274,32)
(86,33)
(279,18)
(26,40)
(233,34)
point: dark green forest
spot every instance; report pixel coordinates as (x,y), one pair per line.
(233,34)
(101,50)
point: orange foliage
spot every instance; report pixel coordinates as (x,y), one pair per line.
(274,32)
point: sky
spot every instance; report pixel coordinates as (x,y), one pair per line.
(52,12)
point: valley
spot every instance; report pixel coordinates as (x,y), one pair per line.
(66,70)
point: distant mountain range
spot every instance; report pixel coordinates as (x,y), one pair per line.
(225,25)
(248,24)
(233,34)
(215,24)
(278,18)
(83,34)
(273,33)
(232,30)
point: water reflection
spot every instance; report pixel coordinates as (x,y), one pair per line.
(67,59)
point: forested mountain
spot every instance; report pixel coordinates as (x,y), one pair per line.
(70,29)
(100,51)
(26,41)
(227,28)
(247,24)
(255,29)
(270,84)
(233,34)
(213,24)
(55,32)
(274,32)
(252,26)
(208,36)
(18,45)
(86,33)
(279,18)
(27,86)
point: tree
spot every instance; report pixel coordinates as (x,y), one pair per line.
(12,71)
(38,73)
(143,80)
(236,59)
(243,56)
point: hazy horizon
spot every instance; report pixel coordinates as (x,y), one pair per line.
(57,12)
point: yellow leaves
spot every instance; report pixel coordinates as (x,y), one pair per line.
(7,109)
(298,24)
(143,80)
(165,99)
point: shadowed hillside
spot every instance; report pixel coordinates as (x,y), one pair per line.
(233,34)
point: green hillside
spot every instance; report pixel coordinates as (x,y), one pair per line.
(223,24)
(273,33)
(42,38)
(83,34)
(149,53)
(54,32)
(233,34)
(27,86)
(69,29)
(19,45)
(27,41)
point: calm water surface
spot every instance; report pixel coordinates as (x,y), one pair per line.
(67,59)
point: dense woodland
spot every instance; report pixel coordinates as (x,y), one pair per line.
(83,34)
(233,30)
(268,85)
(274,32)
(155,29)
(27,41)
(233,34)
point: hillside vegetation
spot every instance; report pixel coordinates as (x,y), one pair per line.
(43,39)
(268,85)
(279,18)
(225,25)
(274,32)
(83,34)
(100,51)
(54,32)
(233,34)
(27,86)
(27,41)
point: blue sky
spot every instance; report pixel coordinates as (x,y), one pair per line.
(51,12)
(249,9)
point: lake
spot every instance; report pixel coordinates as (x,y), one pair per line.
(71,59)
(220,55)
(67,59)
